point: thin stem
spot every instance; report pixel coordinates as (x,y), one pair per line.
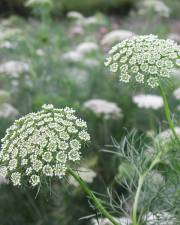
(136,200)
(140,184)
(168,113)
(95,200)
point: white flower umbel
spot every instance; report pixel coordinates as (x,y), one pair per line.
(8,45)
(80,51)
(148,101)
(157,6)
(116,36)
(14,67)
(155,179)
(42,144)
(167,135)
(8,111)
(74,15)
(86,174)
(40,52)
(108,110)
(160,218)
(101,221)
(91,20)
(176,93)
(72,56)
(9,33)
(3,180)
(34,3)
(175,37)
(143,59)
(91,63)
(87,47)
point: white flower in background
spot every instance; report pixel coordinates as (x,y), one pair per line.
(116,36)
(157,6)
(8,111)
(40,52)
(42,145)
(4,96)
(155,179)
(86,174)
(150,152)
(79,76)
(3,180)
(176,93)
(160,218)
(81,20)
(175,37)
(76,30)
(148,101)
(108,110)
(7,45)
(92,20)
(74,15)
(122,221)
(178,108)
(166,135)
(81,50)
(87,47)
(176,73)
(143,59)
(33,3)
(76,73)
(72,56)
(9,33)
(91,63)
(14,67)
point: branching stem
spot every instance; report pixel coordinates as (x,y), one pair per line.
(95,200)
(140,185)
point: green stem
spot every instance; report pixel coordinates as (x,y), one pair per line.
(140,184)
(168,113)
(95,200)
(136,200)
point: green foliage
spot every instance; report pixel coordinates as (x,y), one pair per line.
(63,6)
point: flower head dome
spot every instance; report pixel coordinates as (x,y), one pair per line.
(143,59)
(41,145)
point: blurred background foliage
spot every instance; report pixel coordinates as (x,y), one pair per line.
(62,6)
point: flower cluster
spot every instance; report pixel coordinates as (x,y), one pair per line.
(38,2)
(101,221)
(116,36)
(8,111)
(87,47)
(160,218)
(176,93)
(108,110)
(148,101)
(42,145)
(143,59)
(86,175)
(80,52)
(166,136)
(14,67)
(79,19)
(157,6)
